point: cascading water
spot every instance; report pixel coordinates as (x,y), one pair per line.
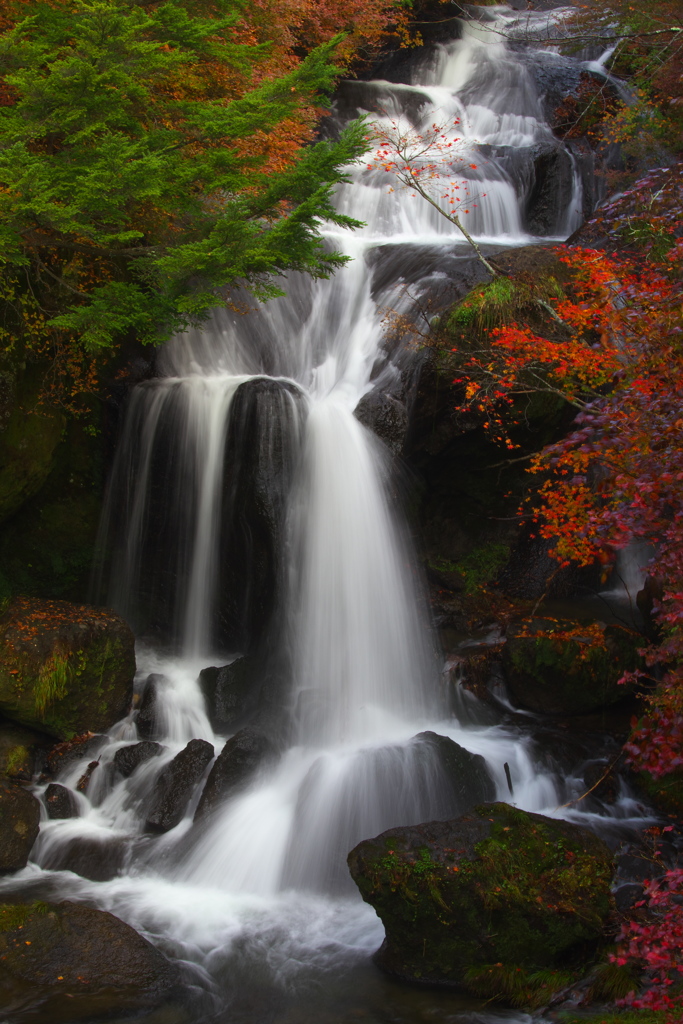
(249,510)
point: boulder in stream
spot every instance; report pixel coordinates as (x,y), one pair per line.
(147,719)
(237,764)
(465,773)
(497,886)
(67,962)
(64,668)
(226,692)
(60,802)
(174,788)
(127,759)
(19,826)
(18,749)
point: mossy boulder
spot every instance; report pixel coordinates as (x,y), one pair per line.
(19,825)
(66,962)
(495,886)
(65,669)
(558,674)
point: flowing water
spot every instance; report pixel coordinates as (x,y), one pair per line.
(249,510)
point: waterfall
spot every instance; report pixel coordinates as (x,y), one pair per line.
(249,511)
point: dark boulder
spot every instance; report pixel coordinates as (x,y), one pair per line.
(174,788)
(147,719)
(386,416)
(236,765)
(19,826)
(551,192)
(67,962)
(60,802)
(497,886)
(63,757)
(467,781)
(262,449)
(226,692)
(99,859)
(127,759)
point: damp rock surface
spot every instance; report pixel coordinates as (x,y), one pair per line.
(176,783)
(147,719)
(127,759)
(60,802)
(226,692)
(466,774)
(19,826)
(495,886)
(236,765)
(65,669)
(67,962)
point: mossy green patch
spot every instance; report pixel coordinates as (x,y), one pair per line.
(15,915)
(498,886)
(666,792)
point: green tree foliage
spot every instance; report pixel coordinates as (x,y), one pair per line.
(139,173)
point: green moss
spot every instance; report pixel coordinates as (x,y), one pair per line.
(53,682)
(482,565)
(501,301)
(17,759)
(532,894)
(15,915)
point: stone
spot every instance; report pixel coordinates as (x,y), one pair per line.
(99,859)
(560,676)
(127,759)
(386,416)
(235,767)
(60,802)
(63,757)
(65,669)
(226,692)
(175,785)
(263,443)
(496,886)
(68,962)
(465,774)
(147,719)
(19,826)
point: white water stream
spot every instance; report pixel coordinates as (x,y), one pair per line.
(264,884)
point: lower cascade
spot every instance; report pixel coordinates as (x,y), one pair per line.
(290,702)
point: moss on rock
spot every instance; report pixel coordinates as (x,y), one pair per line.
(65,669)
(558,675)
(19,825)
(666,792)
(495,886)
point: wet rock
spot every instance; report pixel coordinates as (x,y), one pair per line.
(19,826)
(147,719)
(263,444)
(60,802)
(176,783)
(127,759)
(236,765)
(386,416)
(99,859)
(64,668)
(601,782)
(551,193)
(666,792)
(466,774)
(495,886)
(226,691)
(67,962)
(63,757)
(569,676)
